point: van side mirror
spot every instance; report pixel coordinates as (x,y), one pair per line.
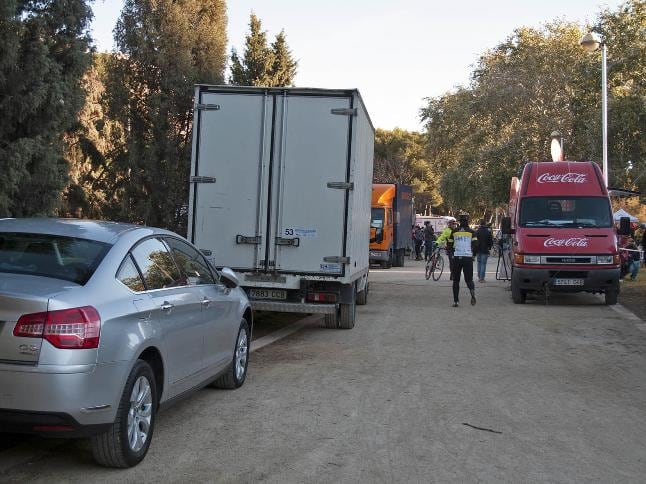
(624,226)
(505,226)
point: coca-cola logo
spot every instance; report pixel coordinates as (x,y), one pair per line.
(571,242)
(562,178)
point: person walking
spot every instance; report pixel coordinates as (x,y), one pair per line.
(429,240)
(464,240)
(443,240)
(633,259)
(484,245)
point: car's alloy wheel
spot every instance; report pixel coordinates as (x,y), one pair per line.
(140,414)
(236,374)
(242,355)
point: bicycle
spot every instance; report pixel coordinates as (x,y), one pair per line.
(435,266)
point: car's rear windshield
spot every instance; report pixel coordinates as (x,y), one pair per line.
(66,258)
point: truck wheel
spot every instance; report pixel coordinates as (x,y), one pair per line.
(518,295)
(401,256)
(348,312)
(126,443)
(331,320)
(362,296)
(611,296)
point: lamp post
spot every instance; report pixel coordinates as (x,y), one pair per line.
(591,42)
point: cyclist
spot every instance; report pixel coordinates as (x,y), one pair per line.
(429,240)
(443,240)
(464,240)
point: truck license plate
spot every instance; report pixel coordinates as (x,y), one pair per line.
(279,294)
(568,282)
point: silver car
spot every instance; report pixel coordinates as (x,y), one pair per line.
(102,323)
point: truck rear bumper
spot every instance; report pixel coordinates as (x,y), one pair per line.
(379,255)
(287,307)
(593,280)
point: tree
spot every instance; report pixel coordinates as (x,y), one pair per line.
(44,52)
(164,48)
(400,157)
(262,65)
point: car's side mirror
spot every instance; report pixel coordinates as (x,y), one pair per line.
(229,278)
(505,226)
(624,226)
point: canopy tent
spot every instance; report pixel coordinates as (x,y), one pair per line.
(622,213)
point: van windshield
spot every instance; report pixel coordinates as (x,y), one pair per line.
(66,258)
(565,212)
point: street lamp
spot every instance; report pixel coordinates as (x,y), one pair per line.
(591,42)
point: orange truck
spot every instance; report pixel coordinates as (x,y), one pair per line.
(390,225)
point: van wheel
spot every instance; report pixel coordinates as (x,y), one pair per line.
(611,296)
(128,440)
(237,371)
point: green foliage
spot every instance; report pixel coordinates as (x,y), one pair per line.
(164,48)
(44,51)
(400,157)
(262,65)
(535,82)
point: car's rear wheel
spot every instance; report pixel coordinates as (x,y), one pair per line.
(237,371)
(127,442)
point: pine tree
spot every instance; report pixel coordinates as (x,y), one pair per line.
(263,65)
(44,51)
(165,47)
(283,69)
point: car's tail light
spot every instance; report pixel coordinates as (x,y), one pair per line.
(77,328)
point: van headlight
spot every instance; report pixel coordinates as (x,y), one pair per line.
(604,259)
(532,259)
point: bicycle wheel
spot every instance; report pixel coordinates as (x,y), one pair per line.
(429,269)
(438,268)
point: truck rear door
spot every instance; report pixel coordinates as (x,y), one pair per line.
(229,180)
(311,185)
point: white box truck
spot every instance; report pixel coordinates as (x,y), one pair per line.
(281,182)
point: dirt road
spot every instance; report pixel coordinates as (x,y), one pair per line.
(417,392)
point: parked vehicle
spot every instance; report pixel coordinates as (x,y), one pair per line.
(102,323)
(438,222)
(281,182)
(563,234)
(390,225)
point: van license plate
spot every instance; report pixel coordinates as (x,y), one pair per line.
(569,282)
(279,294)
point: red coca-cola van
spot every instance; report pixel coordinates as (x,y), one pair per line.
(563,237)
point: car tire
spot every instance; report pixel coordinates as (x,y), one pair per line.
(236,374)
(115,448)
(610,296)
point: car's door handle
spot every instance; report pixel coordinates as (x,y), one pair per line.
(206,302)
(166,307)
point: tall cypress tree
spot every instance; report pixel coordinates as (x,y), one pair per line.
(165,47)
(44,51)
(261,64)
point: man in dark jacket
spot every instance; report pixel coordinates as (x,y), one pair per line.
(485,242)
(429,239)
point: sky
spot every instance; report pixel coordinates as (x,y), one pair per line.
(395,52)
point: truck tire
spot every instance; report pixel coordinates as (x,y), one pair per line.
(611,296)
(347,315)
(113,448)
(362,296)
(331,320)
(518,295)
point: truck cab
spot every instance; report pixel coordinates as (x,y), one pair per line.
(390,224)
(562,231)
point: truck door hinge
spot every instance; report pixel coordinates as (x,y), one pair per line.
(202,179)
(337,259)
(295,242)
(341,185)
(344,111)
(245,239)
(207,107)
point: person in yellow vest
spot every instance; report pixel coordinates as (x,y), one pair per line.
(463,240)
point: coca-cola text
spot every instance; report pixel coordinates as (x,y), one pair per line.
(562,178)
(571,242)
